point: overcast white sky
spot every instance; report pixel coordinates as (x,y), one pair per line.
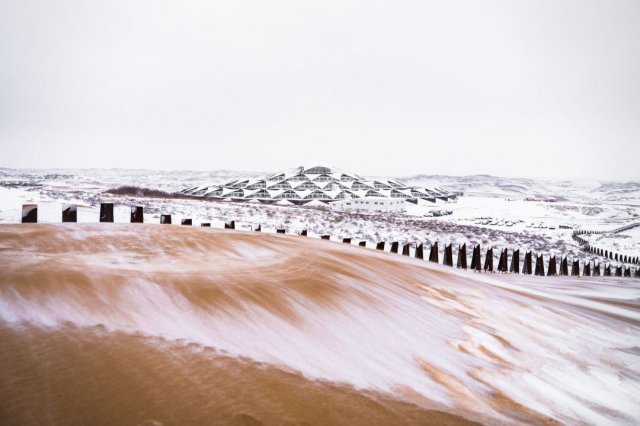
(514,88)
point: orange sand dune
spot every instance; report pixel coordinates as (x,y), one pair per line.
(126,324)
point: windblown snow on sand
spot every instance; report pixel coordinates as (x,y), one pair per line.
(405,340)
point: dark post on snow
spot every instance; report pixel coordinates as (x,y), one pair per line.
(448,255)
(69,213)
(419,251)
(29,213)
(136,214)
(433,253)
(106,212)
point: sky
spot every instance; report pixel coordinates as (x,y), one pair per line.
(541,89)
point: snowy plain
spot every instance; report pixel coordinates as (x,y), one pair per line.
(493,211)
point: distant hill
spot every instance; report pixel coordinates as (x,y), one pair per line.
(584,191)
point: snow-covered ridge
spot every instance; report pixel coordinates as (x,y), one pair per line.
(175,180)
(574,190)
(103,179)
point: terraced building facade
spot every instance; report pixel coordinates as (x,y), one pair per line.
(319,185)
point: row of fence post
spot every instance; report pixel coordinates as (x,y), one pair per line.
(531,264)
(70,214)
(618,257)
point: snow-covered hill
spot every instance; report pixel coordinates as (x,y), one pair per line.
(579,191)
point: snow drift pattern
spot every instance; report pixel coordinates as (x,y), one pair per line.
(516,350)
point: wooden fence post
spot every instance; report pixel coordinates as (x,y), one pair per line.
(137,215)
(462,257)
(106,212)
(69,213)
(29,213)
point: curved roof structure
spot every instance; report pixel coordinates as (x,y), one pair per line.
(304,184)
